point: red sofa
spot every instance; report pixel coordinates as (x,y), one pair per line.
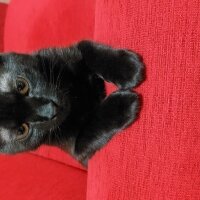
(158,157)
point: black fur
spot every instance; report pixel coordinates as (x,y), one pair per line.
(68,83)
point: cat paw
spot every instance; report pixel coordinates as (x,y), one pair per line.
(116,112)
(131,71)
(122,108)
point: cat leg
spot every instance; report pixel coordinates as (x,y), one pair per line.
(122,67)
(116,112)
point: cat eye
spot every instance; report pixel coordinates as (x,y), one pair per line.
(22,86)
(22,131)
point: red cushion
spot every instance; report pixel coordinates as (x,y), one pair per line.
(36,24)
(46,23)
(3,8)
(58,155)
(158,157)
(29,177)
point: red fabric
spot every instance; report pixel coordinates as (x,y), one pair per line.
(29,177)
(3,8)
(158,157)
(46,23)
(58,155)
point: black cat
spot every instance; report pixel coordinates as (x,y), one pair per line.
(57,97)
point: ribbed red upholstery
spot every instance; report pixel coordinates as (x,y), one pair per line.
(38,24)
(158,157)
(29,177)
(3,8)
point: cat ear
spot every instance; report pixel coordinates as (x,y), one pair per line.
(2,57)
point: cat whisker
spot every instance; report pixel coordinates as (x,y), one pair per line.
(43,67)
(59,78)
(57,131)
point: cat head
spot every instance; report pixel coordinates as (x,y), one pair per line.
(32,101)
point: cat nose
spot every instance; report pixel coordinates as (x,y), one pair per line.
(48,110)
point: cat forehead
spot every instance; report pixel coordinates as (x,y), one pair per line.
(5,82)
(4,132)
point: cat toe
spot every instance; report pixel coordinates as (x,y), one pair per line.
(132,72)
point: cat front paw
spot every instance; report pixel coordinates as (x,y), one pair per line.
(131,71)
(124,107)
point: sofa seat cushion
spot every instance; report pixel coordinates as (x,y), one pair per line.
(158,157)
(31,177)
(3,8)
(40,24)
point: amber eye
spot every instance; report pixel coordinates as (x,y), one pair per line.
(22,131)
(22,86)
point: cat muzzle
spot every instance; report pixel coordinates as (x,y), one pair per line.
(40,109)
(48,110)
